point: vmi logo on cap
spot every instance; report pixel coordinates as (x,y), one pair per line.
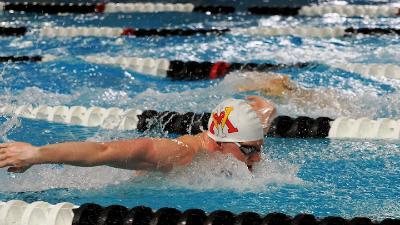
(219,122)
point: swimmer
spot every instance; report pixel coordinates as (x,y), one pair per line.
(236,127)
(283,90)
(270,84)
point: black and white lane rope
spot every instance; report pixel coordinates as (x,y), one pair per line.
(13,31)
(193,123)
(16,212)
(312,10)
(191,70)
(320,32)
(174,69)
(84,8)
(319,10)
(16,59)
(132,32)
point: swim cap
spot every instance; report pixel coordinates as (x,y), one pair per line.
(233,120)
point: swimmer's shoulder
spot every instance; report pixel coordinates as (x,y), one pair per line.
(195,142)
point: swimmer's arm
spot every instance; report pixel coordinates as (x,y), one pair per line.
(262,81)
(138,154)
(253,84)
(122,154)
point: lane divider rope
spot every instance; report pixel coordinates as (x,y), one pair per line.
(83,8)
(16,59)
(191,70)
(107,118)
(319,10)
(371,70)
(181,70)
(115,32)
(193,123)
(16,212)
(27,58)
(320,32)
(13,31)
(312,10)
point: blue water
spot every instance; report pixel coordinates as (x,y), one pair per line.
(324,177)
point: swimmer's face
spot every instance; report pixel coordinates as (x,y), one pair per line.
(234,149)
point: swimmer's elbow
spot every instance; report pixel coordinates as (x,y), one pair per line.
(100,156)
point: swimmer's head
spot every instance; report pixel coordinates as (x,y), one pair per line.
(277,86)
(233,120)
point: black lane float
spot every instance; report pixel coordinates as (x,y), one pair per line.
(93,214)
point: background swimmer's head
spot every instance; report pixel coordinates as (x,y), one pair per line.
(270,84)
(277,85)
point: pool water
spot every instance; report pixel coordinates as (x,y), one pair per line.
(325,177)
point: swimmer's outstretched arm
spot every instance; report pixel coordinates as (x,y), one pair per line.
(138,154)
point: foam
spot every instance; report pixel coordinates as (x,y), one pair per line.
(45,177)
(20,43)
(10,124)
(36,96)
(222,172)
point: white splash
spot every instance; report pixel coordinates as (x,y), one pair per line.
(8,125)
(223,172)
(46,177)
(18,43)
(206,172)
(198,99)
(36,96)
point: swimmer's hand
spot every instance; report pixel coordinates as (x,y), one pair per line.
(17,156)
(265,110)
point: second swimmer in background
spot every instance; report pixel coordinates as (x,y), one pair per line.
(282,90)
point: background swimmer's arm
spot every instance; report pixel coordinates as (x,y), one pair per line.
(251,85)
(255,82)
(142,154)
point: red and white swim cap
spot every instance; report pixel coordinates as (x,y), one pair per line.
(233,120)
